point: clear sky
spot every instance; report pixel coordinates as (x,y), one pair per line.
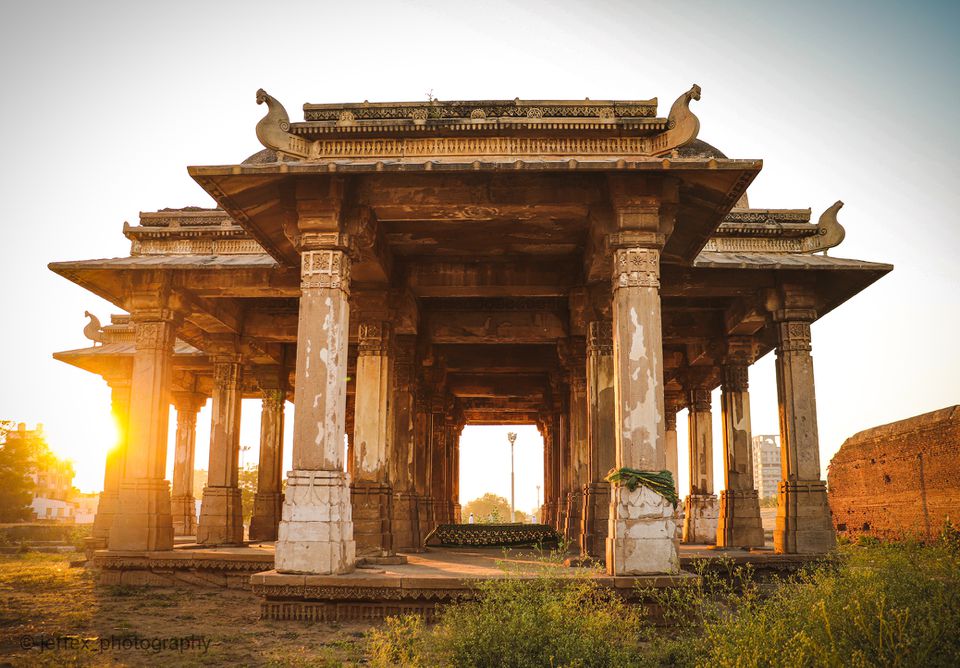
(107,102)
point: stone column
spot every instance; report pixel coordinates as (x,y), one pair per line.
(183,505)
(578,452)
(405,522)
(438,446)
(552,488)
(601,448)
(700,507)
(563,434)
(268,502)
(803,515)
(454,474)
(671,448)
(423,459)
(371,489)
(739,523)
(642,527)
(143,521)
(113,473)
(316,529)
(221,512)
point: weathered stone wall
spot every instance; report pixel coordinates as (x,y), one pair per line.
(900,479)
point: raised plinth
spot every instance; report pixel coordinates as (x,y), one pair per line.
(739,522)
(700,516)
(316,532)
(419,586)
(642,533)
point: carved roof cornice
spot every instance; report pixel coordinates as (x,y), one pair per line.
(777,231)
(187,231)
(541,126)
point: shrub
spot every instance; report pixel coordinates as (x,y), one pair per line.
(518,622)
(877,605)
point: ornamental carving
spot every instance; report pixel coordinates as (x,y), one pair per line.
(325,269)
(226,375)
(600,337)
(794,336)
(153,335)
(419,115)
(735,377)
(534,112)
(636,268)
(478,115)
(700,400)
(374,338)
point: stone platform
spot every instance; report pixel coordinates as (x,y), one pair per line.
(437,576)
(428,579)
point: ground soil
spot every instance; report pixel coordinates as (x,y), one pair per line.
(54,614)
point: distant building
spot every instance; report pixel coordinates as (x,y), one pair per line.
(766,464)
(52,477)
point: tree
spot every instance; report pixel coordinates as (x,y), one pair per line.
(247,482)
(488,509)
(16,486)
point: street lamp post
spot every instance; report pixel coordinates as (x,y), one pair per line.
(539,521)
(511,436)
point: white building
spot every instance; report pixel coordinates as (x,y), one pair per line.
(766,464)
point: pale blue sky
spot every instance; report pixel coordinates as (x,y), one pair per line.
(107,103)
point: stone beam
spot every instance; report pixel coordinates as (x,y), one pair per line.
(494,278)
(528,326)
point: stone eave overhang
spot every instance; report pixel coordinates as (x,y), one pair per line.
(257,184)
(105,359)
(640,127)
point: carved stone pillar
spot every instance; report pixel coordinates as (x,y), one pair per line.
(423,459)
(739,523)
(551,483)
(579,466)
(563,436)
(803,515)
(316,529)
(454,473)
(671,449)
(113,473)
(700,507)
(641,524)
(601,447)
(183,505)
(143,521)
(221,512)
(405,522)
(268,502)
(371,489)
(438,446)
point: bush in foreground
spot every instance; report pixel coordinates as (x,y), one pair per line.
(867,605)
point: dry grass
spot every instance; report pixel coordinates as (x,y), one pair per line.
(42,597)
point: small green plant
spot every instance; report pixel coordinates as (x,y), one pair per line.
(660,482)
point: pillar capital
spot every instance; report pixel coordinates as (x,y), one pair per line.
(325,268)
(188,402)
(735,377)
(636,267)
(375,337)
(699,399)
(600,337)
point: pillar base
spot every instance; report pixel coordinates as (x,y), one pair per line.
(804,525)
(371,504)
(425,516)
(221,517)
(596,515)
(316,532)
(457,518)
(574,524)
(642,533)
(143,521)
(184,511)
(739,522)
(561,523)
(440,513)
(405,521)
(267,508)
(106,511)
(700,516)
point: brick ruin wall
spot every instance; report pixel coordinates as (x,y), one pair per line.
(899,480)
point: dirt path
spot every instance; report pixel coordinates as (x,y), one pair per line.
(52,614)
